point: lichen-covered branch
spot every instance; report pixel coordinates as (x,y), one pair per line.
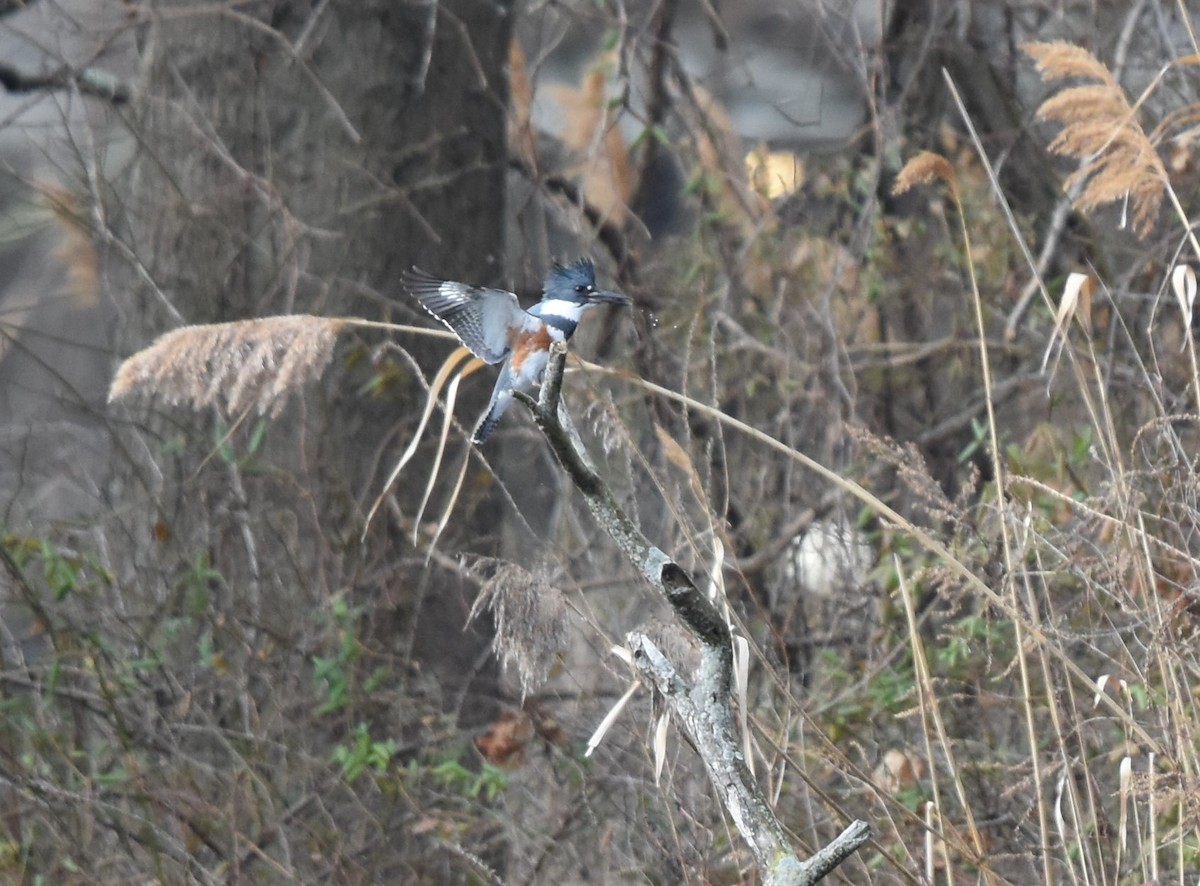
(696,610)
(703,711)
(701,707)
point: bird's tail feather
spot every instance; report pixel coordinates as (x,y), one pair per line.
(488,423)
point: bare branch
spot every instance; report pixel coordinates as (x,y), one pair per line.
(702,707)
(89,81)
(697,612)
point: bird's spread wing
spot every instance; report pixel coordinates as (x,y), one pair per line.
(480,317)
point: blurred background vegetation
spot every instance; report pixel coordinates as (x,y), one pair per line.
(982,642)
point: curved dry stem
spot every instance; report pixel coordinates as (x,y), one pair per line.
(449,366)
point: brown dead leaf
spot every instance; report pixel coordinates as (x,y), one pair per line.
(503,744)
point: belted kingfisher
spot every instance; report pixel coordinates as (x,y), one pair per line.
(495,328)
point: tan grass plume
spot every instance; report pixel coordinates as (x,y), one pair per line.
(924,168)
(250,364)
(1100,128)
(531,621)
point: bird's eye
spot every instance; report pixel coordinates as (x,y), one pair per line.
(581,288)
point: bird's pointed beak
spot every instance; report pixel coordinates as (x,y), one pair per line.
(609,297)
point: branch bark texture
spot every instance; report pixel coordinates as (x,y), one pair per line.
(702,707)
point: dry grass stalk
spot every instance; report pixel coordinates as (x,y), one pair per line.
(531,621)
(1101,130)
(250,364)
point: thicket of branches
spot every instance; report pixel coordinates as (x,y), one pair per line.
(979,390)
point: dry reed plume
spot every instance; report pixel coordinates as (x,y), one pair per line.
(1100,129)
(924,168)
(233,366)
(531,621)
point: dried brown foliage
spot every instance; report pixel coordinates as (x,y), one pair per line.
(590,130)
(922,169)
(75,248)
(1100,128)
(505,740)
(719,155)
(520,116)
(249,364)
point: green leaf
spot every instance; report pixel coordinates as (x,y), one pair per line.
(256,437)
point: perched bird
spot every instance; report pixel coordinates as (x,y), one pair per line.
(494,326)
